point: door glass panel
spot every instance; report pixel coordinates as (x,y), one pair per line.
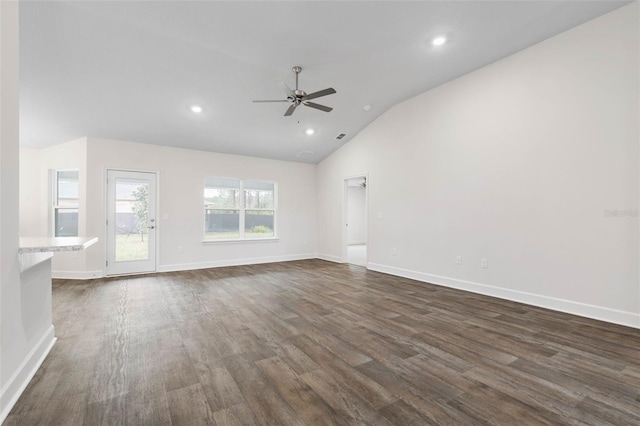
(132,219)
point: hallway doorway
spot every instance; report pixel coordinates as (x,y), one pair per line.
(355,215)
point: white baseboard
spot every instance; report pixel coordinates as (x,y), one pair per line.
(77,275)
(329,258)
(601,313)
(18,382)
(357,243)
(234,262)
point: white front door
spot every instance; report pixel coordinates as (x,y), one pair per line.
(131,222)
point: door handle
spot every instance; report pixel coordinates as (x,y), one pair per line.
(152,227)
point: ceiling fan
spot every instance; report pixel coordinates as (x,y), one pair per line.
(299,97)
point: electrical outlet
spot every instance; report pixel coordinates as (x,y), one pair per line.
(394,251)
(484,263)
(459,260)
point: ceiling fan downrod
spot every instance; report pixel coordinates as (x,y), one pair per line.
(297,70)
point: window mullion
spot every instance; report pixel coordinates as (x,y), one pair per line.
(242,208)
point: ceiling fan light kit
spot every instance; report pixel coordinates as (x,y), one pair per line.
(299,97)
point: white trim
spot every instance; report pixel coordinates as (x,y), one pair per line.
(330,258)
(234,262)
(18,382)
(240,240)
(77,275)
(601,313)
(345,214)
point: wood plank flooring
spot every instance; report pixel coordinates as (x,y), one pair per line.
(317,343)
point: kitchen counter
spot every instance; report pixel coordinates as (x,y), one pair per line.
(34,250)
(39,245)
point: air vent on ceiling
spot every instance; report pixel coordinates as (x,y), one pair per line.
(341,135)
(305,154)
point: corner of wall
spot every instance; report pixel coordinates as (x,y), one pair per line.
(18,382)
(507,175)
(26,330)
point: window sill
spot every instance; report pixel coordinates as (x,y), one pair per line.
(244,240)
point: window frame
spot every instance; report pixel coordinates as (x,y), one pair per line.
(55,204)
(242,209)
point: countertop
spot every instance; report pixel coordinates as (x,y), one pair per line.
(44,244)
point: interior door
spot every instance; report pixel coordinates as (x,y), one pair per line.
(131,222)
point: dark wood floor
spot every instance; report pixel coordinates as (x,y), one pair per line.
(313,342)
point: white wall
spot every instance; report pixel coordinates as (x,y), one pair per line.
(516,163)
(35,198)
(9,274)
(356,202)
(181,215)
(26,333)
(30,194)
(69,155)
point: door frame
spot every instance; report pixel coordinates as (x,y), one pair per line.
(105,212)
(345,216)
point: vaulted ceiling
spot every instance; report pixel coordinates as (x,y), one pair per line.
(133,70)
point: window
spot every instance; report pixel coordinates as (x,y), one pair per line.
(239,209)
(222,208)
(65,203)
(259,209)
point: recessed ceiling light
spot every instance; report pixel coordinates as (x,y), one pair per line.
(310,131)
(439,40)
(196,109)
(366,107)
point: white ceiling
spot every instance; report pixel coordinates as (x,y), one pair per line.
(130,70)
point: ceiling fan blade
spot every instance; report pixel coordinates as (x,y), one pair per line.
(290,110)
(286,88)
(318,106)
(325,92)
(285,100)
